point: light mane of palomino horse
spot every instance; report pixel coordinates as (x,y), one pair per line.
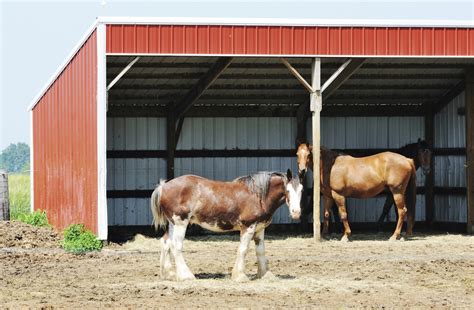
(421,155)
(246,204)
(344,176)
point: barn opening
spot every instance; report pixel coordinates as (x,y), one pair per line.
(247,119)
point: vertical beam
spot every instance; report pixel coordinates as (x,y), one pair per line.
(4,201)
(429,180)
(32,164)
(179,128)
(102,223)
(170,142)
(470,149)
(315,107)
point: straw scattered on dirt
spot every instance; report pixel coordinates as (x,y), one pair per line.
(434,271)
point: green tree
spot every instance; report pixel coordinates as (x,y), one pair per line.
(15,157)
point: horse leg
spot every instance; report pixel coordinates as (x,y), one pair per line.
(328,202)
(399,199)
(166,271)
(246,234)
(260,252)
(386,209)
(341,204)
(337,219)
(182,270)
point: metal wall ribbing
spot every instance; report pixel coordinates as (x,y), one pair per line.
(450,132)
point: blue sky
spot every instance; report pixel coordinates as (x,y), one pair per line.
(36,36)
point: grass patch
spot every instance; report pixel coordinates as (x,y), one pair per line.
(79,240)
(37,218)
(19,195)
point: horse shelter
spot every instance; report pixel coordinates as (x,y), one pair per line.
(144,99)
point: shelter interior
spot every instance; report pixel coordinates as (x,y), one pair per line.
(178,88)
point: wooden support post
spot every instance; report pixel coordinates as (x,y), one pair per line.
(170,143)
(429,180)
(470,149)
(4,201)
(302,138)
(315,107)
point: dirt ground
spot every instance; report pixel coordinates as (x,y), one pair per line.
(427,271)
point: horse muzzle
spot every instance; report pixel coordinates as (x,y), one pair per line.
(426,171)
(295,215)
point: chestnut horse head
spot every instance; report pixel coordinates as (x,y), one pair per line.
(304,158)
(421,154)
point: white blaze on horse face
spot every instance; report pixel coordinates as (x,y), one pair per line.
(294,198)
(303,156)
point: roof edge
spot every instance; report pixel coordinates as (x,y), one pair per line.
(63,65)
(286,22)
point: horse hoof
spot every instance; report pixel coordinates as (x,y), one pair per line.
(169,276)
(269,276)
(186,277)
(345,238)
(240,278)
(393,239)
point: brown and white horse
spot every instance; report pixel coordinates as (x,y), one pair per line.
(246,204)
(344,176)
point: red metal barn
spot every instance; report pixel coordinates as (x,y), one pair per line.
(141,99)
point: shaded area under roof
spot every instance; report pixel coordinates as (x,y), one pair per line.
(263,83)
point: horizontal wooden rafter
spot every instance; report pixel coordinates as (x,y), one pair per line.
(285,76)
(146,193)
(282,86)
(296,64)
(266,111)
(226,153)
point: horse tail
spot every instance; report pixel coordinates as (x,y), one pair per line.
(410,198)
(159,218)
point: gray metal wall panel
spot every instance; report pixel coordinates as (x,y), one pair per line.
(450,132)
(371,132)
(450,128)
(130,174)
(237,133)
(136,133)
(451,209)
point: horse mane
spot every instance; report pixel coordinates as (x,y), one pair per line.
(328,158)
(259,183)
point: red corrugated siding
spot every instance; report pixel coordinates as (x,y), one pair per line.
(65,143)
(263,40)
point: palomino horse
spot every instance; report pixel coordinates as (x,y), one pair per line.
(421,155)
(246,204)
(364,177)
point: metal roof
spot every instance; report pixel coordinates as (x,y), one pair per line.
(255,81)
(284,21)
(422,34)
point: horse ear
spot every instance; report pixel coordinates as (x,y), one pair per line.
(310,147)
(289,175)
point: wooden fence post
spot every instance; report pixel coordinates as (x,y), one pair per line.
(4,202)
